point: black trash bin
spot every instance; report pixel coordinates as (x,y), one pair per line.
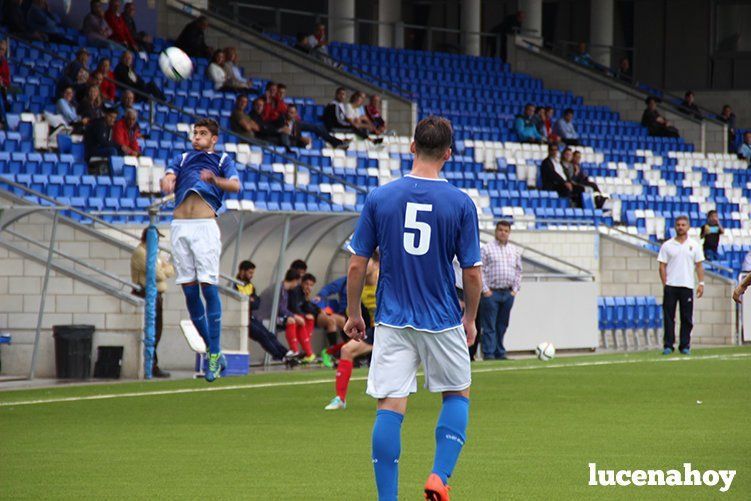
(73,350)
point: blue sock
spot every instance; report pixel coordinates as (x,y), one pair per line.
(214,316)
(197,311)
(450,435)
(387,446)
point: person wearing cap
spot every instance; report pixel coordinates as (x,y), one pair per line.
(164,270)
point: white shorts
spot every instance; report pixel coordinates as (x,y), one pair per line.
(397,353)
(196,249)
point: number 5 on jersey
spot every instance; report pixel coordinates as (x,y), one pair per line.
(423,229)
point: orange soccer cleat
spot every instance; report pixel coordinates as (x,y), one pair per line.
(435,489)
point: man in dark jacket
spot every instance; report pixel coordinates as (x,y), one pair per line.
(554,178)
(192,40)
(655,123)
(97,137)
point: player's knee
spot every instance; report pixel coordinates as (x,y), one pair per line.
(291,321)
(348,352)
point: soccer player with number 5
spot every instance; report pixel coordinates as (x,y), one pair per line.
(419,223)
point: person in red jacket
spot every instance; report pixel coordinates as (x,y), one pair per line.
(120,31)
(126,133)
(107,87)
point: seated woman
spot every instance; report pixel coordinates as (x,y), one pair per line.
(90,108)
(373,112)
(66,107)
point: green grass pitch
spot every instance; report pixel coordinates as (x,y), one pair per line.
(534,427)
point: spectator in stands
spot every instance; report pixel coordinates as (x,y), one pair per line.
(81,85)
(689,107)
(373,112)
(107,88)
(127,100)
(728,118)
(335,116)
(239,121)
(14,17)
(581,178)
(329,322)
(272,111)
(744,150)
(126,133)
(192,39)
(72,69)
(66,107)
(280,105)
(549,125)
(91,107)
(292,135)
(564,128)
(355,113)
(538,119)
(554,178)
(39,19)
(710,233)
(501,281)
(144,40)
(297,126)
(301,43)
(256,330)
(678,258)
(511,24)
(266,131)
(318,44)
(234,78)
(624,71)
(120,32)
(215,71)
(6,85)
(294,324)
(98,140)
(125,74)
(567,161)
(655,123)
(525,128)
(164,271)
(97,30)
(583,57)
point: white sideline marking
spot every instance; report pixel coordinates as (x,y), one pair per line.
(361,378)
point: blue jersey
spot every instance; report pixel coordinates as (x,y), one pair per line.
(418,225)
(188,166)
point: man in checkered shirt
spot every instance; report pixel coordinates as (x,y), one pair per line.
(501,277)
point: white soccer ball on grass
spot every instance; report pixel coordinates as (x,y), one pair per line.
(545,351)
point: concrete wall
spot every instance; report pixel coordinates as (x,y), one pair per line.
(303,75)
(599,90)
(576,247)
(627,270)
(70,301)
(739,100)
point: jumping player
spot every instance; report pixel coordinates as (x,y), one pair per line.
(199,179)
(419,223)
(354,348)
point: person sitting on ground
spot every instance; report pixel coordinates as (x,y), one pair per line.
(256,330)
(728,118)
(144,40)
(126,133)
(711,232)
(373,112)
(554,178)
(126,74)
(624,72)
(192,39)
(655,123)
(689,107)
(525,128)
(97,137)
(127,100)
(107,88)
(330,323)
(239,121)
(744,150)
(294,324)
(120,32)
(234,78)
(97,30)
(91,108)
(66,107)
(583,57)
(565,130)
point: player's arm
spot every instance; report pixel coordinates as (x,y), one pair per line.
(664,273)
(231,185)
(472,283)
(700,274)
(355,327)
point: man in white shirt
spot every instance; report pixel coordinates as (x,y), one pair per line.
(678,259)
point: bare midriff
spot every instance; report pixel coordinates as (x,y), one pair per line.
(194,207)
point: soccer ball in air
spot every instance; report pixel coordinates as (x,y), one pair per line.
(545,351)
(175,64)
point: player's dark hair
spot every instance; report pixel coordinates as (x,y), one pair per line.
(504,223)
(433,136)
(567,111)
(281,86)
(309,277)
(247,265)
(683,217)
(340,89)
(298,264)
(291,275)
(208,123)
